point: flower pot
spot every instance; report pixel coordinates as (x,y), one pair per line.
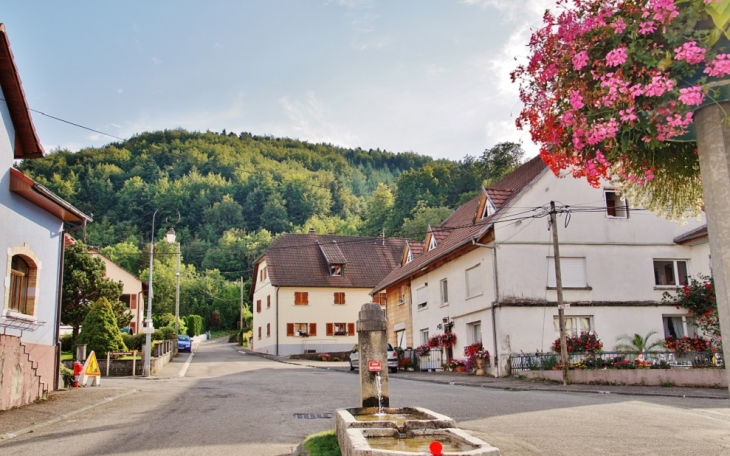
(460,369)
(480,366)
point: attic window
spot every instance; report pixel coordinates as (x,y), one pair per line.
(410,256)
(336,270)
(432,243)
(615,206)
(489,208)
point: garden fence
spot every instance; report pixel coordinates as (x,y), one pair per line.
(601,360)
(431,362)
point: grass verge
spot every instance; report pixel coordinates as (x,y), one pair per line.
(322,444)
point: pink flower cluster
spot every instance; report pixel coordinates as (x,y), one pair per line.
(616,57)
(691,96)
(690,52)
(580,60)
(720,66)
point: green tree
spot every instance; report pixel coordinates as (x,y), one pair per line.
(422,217)
(125,254)
(379,211)
(501,159)
(84,283)
(100,331)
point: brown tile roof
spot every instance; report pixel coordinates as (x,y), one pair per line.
(460,226)
(332,253)
(298,260)
(416,247)
(27,143)
(693,235)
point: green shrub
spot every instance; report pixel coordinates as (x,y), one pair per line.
(100,332)
(167,332)
(66,342)
(194,324)
(134,342)
(67,375)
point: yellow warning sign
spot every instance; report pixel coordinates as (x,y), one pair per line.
(92,366)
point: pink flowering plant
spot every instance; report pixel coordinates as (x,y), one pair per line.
(611,86)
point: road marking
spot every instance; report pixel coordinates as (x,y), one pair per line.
(185,367)
(11,435)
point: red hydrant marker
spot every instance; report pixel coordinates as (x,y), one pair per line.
(77,372)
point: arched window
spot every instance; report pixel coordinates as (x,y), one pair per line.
(22,282)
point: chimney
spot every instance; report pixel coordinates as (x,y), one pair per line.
(311,231)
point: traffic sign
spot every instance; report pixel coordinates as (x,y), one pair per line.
(92,366)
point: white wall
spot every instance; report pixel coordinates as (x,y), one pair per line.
(25,223)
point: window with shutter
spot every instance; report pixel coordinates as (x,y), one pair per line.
(133,302)
(474,281)
(259,332)
(330,329)
(301,298)
(422,297)
(340,329)
(351,329)
(258,305)
(268,329)
(290,329)
(572,272)
(615,206)
(313,329)
(268,301)
(339,297)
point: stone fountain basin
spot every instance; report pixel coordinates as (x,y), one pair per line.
(357,442)
(404,419)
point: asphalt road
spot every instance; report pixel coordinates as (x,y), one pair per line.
(232,403)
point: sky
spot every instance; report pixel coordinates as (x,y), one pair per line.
(426,76)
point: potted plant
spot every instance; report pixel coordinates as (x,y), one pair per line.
(477,357)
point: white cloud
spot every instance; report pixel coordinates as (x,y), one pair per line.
(312,120)
(120,90)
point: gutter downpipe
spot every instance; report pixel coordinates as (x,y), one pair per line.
(59,308)
(495,302)
(277,321)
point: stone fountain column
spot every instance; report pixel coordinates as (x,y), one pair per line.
(372,344)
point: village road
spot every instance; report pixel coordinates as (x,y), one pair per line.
(233,403)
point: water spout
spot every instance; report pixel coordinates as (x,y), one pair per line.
(380,394)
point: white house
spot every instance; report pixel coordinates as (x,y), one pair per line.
(31,242)
(307,290)
(487,273)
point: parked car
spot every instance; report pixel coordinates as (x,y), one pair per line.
(184,343)
(392,359)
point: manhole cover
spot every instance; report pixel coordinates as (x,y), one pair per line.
(312,416)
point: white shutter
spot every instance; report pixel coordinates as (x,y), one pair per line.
(422,295)
(473,281)
(573,272)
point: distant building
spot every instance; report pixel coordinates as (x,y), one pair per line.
(31,240)
(307,290)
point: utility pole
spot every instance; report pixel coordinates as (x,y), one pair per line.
(559,286)
(241,319)
(177,292)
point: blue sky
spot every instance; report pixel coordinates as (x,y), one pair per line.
(425,76)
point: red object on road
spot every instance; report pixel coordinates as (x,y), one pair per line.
(375,366)
(436,448)
(78,367)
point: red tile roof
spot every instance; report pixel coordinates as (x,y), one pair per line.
(416,247)
(298,260)
(27,143)
(693,235)
(460,228)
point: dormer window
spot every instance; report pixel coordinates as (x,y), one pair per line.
(489,208)
(410,256)
(432,243)
(336,270)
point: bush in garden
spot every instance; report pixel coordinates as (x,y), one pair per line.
(99,331)
(585,342)
(698,297)
(67,343)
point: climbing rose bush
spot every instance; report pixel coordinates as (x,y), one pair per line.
(611,87)
(698,297)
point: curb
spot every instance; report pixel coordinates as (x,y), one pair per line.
(518,388)
(11,435)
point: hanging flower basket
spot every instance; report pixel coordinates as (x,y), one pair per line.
(610,89)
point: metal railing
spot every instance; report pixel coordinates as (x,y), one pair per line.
(431,362)
(617,360)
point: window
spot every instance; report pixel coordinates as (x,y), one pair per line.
(615,206)
(268,329)
(259,332)
(444,292)
(133,301)
(424,336)
(473,281)
(432,243)
(19,275)
(268,301)
(301,329)
(489,208)
(339,297)
(474,332)
(336,270)
(258,306)
(409,258)
(340,329)
(678,326)
(670,272)
(572,271)
(301,298)
(380,298)
(422,297)
(402,295)
(266,272)
(574,325)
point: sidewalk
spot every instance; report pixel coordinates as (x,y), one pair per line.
(516,384)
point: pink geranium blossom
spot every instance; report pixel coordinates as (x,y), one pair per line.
(647,27)
(580,60)
(691,96)
(720,66)
(616,57)
(690,52)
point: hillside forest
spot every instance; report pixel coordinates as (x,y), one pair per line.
(236,192)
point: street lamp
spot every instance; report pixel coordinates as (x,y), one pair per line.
(149,327)
(177,285)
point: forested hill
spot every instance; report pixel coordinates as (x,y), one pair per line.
(234,192)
